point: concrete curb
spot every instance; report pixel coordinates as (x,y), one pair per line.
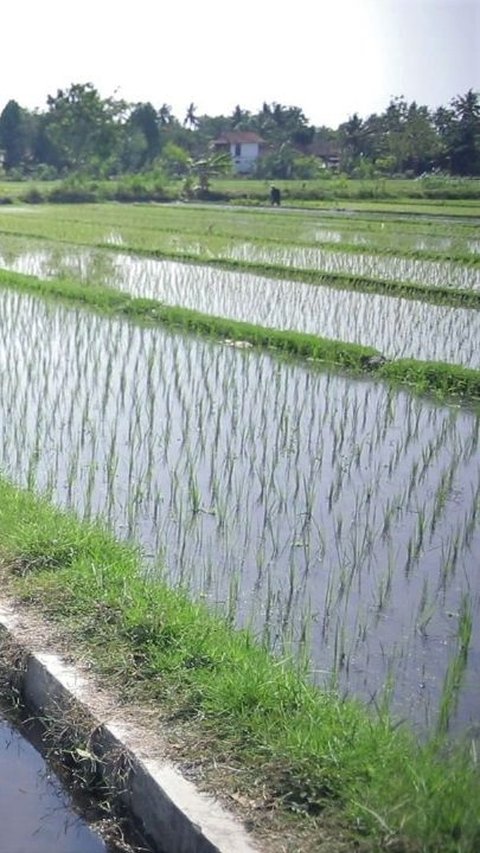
(174,816)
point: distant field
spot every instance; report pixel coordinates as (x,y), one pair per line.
(335,187)
(457,196)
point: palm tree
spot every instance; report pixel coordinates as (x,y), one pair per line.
(239,118)
(165,115)
(190,118)
(353,132)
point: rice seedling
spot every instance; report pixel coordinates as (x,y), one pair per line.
(456,668)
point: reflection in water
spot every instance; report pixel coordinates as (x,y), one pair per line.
(399,328)
(389,268)
(303,502)
(36,815)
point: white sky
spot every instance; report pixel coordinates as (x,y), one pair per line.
(329,57)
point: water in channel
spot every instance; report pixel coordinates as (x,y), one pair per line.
(36,814)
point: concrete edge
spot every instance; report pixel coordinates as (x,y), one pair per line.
(172,813)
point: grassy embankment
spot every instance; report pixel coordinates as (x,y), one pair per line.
(443,380)
(302,758)
(328,189)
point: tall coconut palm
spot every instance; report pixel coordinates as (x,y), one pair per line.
(165,115)
(190,118)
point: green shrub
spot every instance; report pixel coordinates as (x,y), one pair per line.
(32,196)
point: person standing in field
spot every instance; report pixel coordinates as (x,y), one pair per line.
(275,196)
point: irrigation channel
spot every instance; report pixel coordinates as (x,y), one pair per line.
(36,813)
(399,328)
(320,510)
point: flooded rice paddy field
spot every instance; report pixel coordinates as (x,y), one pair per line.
(384,230)
(399,328)
(386,268)
(36,814)
(387,239)
(426,249)
(310,506)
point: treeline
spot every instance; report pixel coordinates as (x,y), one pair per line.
(82,133)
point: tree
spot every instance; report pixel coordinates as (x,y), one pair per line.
(375,141)
(83,129)
(280,124)
(191,117)
(395,122)
(15,139)
(165,115)
(175,160)
(353,135)
(422,146)
(402,139)
(465,134)
(240,119)
(278,163)
(144,119)
(132,150)
(204,169)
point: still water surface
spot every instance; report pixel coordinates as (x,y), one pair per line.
(303,502)
(36,814)
(399,328)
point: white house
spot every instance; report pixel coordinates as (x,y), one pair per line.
(244,147)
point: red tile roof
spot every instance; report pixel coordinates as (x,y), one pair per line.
(236,137)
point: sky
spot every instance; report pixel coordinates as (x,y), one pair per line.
(332,58)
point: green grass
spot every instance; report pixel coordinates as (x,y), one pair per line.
(429,376)
(443,380)
(12,191)
(428,194)
(314,756)
(425,193)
